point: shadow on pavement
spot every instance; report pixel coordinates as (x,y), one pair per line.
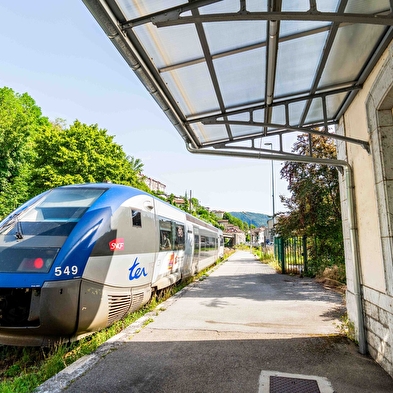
(221,365)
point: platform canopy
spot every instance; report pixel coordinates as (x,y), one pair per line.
(242,77)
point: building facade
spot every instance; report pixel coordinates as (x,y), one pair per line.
(369,238)
(154,185)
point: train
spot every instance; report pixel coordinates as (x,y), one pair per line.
(77,258)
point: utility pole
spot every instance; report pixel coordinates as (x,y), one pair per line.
(249,225)
(271,148)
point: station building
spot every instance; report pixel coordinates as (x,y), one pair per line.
(370,117)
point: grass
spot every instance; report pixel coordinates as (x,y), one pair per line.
(22,369)
(264,254)
(347,328)
(25,368)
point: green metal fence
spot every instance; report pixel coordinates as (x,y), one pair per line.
(291,254)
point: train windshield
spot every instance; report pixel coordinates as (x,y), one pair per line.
(31,238)
(55,214)
(63,204)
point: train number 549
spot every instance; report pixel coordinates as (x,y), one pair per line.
(67,270)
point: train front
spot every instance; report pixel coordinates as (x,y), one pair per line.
(44,247)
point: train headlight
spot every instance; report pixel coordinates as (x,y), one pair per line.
(24,260)
(38,263)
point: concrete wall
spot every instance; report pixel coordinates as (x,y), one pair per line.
(370,118)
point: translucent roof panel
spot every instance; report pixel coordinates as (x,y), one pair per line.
(136,8)
(291,28)
(166,48)
(278,115)
(296,110)
(353,45)
(225,71)
(209,134)
(243,35)
(314,113)
(237,86)
(294,73)
(304,5)
(192,97)
(220,7)
(365,7)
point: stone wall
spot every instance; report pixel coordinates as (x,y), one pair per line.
(378,309)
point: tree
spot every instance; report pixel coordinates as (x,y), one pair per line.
(235,221)
(186,205)
(136,165)
(20,120)
(206,215)
(80,154)
(314,204)
(171,199)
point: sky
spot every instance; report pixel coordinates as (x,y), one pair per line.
(57,53)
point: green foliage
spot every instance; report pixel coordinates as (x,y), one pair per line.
(171,199)
(207,216)
(186,205)
(194,203)
(347,328)
(136,165)
(37,155)
(314,205)
(235,221)
(265,255)
(20,121)
(80,154)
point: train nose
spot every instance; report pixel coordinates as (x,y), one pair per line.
(15,307)
(35,316)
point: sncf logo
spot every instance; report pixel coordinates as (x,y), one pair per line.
(116,244)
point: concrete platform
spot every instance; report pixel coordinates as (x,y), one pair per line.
(242,329)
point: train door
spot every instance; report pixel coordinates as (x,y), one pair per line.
(170,246)
(170,256)
(220,246)
(197,248)
(186,268)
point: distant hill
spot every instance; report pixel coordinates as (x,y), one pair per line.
(256,219)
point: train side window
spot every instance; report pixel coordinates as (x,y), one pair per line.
(204,242)
(136,218)
(179,237)
(165,235)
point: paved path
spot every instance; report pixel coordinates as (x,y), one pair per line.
(230,333)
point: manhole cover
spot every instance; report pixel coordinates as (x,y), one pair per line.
(293,385)
(278,382)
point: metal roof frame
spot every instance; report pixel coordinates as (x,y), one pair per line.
(255,118)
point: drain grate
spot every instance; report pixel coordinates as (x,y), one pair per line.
(293,385)
(278,382)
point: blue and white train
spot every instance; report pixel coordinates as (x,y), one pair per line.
(75,259)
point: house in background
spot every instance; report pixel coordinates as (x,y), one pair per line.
(154,185)
(258,236)
(269,232)
(233,234)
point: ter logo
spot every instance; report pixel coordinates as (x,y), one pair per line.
(136,271)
